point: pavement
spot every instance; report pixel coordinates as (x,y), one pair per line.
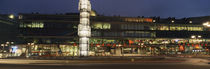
(107,66)
(96,60)
(108,63)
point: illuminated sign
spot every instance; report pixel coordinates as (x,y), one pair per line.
(138,19)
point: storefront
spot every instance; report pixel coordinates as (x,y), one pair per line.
(105,47)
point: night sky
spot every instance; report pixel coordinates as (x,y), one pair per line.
(163,8)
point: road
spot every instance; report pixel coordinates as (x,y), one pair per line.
(107,66)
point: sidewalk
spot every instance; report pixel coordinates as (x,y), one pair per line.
(95,60)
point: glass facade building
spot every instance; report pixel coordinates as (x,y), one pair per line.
(56,35)
(8,33)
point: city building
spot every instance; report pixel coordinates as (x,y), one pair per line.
(8,34)
(56,35)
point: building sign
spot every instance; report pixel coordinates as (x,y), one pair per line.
(138,19)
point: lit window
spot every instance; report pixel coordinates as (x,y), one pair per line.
(106,26)
(97,26)
(190,21)
(102,26)
(172,21)
(20,17)
(32,25)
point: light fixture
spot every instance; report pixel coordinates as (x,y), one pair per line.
(172,21)
(2,44)
(11,16)
(154,21)
(190,21)
(199,36)
(193,36)
(7,42)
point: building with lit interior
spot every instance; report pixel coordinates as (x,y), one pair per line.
(8,33)
(56,35)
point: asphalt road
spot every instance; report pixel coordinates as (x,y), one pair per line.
(108,66)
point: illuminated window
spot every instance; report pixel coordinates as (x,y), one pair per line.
(172,21)
(163,28)
(138,34)
(98,26)
(102,26)
(190,21)
(188,28)
(20,17)
(106,26)
(172,28)
(32,25)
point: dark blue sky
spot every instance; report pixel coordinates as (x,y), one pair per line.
(163,8)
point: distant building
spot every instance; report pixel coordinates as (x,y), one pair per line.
(56,35)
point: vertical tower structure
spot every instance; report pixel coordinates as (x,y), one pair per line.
(84,30)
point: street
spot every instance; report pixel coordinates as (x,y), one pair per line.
(108,66)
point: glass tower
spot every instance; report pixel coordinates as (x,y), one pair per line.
(84,30)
